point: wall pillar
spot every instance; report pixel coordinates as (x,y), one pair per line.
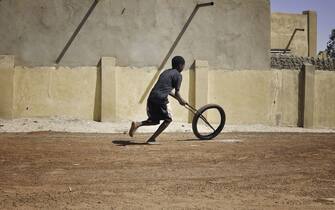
(308,102)
(201,83)
(311,32)
(6,86)
(108,89)
(198,95)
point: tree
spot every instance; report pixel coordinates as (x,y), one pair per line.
(331,45)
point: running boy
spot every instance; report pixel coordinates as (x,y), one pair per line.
(158,103)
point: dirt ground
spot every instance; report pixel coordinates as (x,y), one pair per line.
(47,170)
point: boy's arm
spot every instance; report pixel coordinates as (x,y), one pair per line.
(178,97)
(176,94)
(172,94)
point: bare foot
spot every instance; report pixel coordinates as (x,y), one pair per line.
(133,128)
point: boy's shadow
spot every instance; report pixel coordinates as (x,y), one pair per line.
(126,143)
(191,140)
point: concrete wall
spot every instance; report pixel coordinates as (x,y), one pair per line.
(282,27)
(136,32)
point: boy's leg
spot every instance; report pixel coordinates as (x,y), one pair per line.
(160,129)
(135,125)
(151,109)
(168,119)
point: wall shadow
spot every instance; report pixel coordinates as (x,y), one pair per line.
(76,31)
(301,97)
(97,98)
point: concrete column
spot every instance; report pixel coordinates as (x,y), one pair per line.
(308,112)
(311,32)
(108,89)
(6,86)
(201,83)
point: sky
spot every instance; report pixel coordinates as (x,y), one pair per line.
(325,13)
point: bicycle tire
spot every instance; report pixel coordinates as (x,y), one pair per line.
(197,116)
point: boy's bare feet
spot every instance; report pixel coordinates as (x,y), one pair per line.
(133,128)
(151,141)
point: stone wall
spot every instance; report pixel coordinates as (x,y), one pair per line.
(288,61)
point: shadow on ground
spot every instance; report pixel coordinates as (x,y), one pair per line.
(126,143)
(192,140)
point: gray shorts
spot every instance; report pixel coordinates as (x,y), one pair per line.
(157,111)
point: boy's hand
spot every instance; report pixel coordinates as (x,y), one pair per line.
(177,96)
(182,102)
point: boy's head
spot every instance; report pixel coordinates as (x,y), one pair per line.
(178,63)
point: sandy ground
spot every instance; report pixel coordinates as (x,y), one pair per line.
(48,170)
(74,125)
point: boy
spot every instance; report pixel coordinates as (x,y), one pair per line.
(158,103)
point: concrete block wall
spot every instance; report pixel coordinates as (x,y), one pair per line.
(112,93)
(139,33)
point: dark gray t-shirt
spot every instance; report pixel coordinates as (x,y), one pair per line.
(170,79)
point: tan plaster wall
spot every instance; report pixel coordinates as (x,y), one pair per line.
(285,104)
(248,96)
(6,93)
(256,97)
(46,91)
(282,27)
(6,86)
(324,108)
(245,95)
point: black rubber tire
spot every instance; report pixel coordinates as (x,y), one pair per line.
(196,118)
